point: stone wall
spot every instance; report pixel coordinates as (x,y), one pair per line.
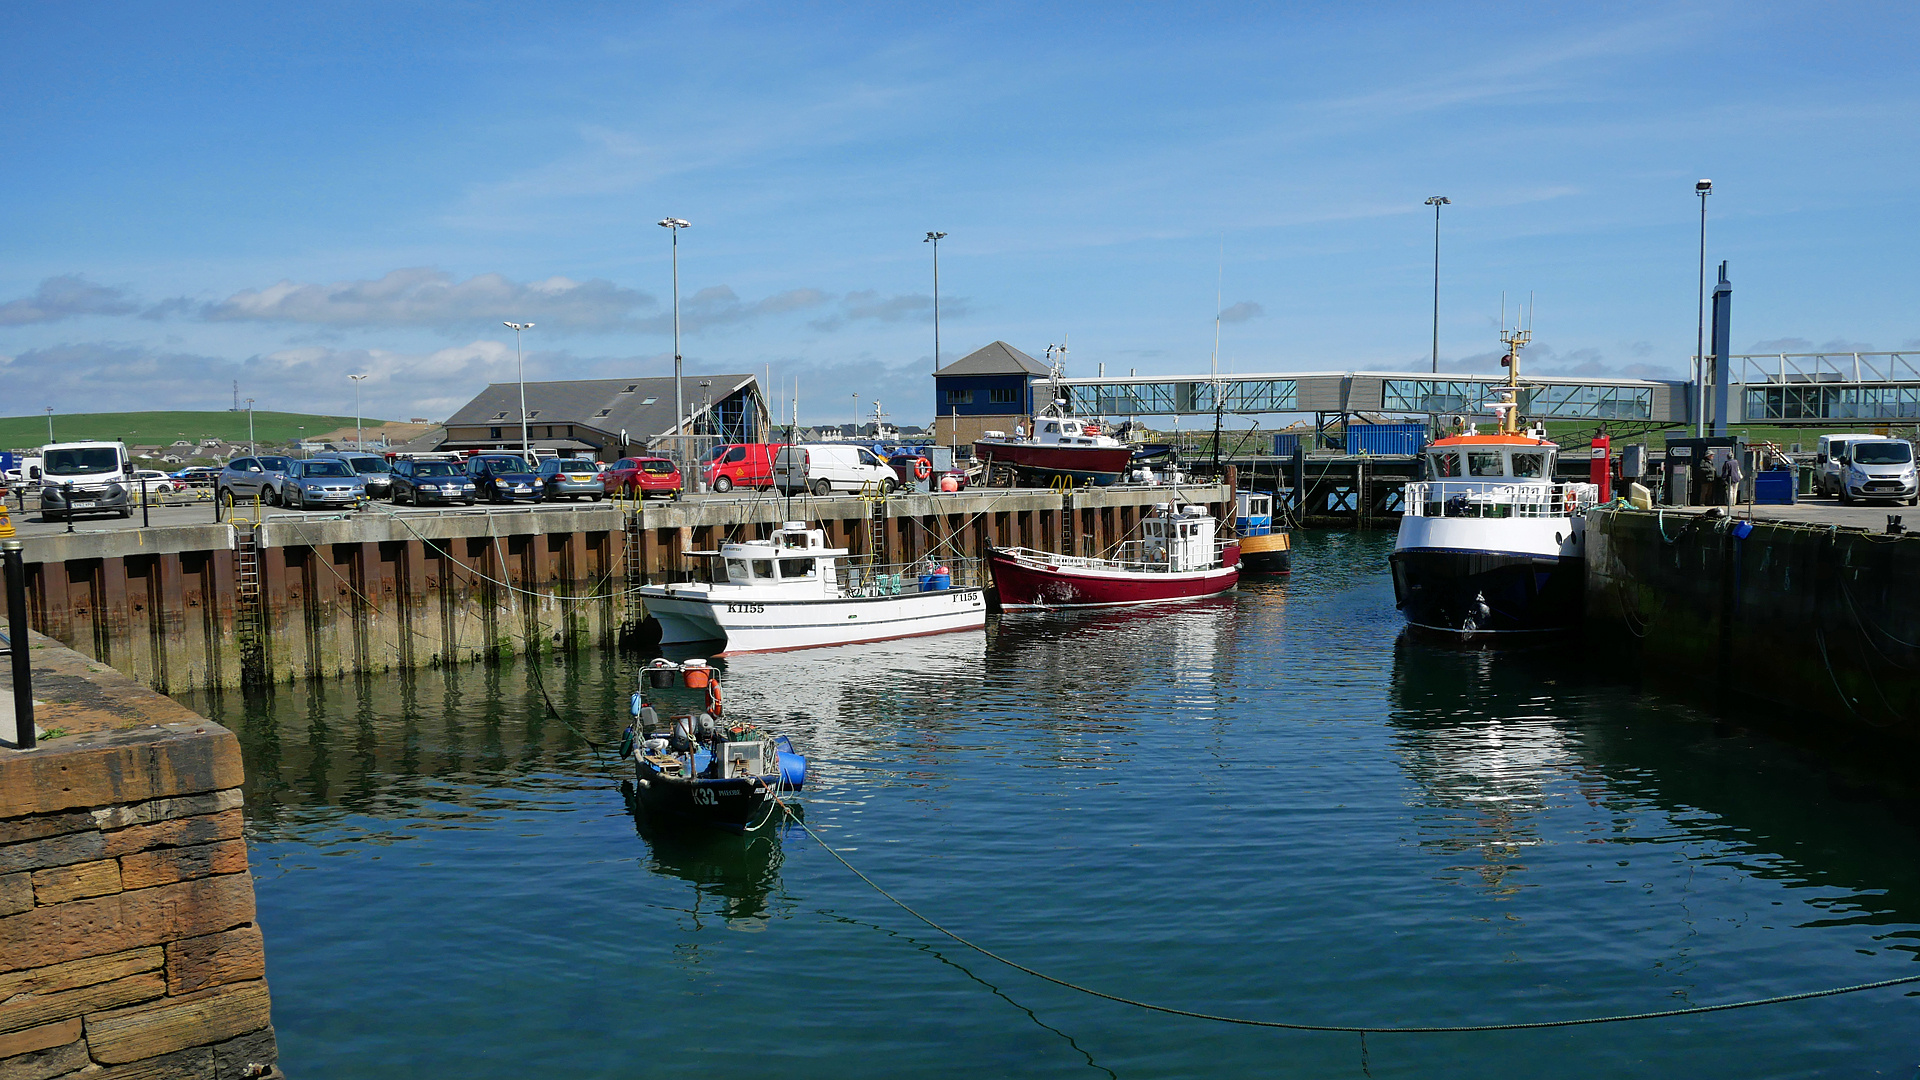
(128,946)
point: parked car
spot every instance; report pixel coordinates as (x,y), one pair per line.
(823,467)
(571,478)
(322,482)
(741,465)
(157,482)
(196,475)
(371,468)
(504,478)
(1879,468)
(641,477)
(1827,464)
(423,482)
(84,478)
(248,478)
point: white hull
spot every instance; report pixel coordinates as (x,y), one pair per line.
(697,613)
(1548,537)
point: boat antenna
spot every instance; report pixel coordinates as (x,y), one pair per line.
(1515,340)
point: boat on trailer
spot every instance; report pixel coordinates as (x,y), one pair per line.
(1490,544)
(792,591)
(1059,448)
(702,768)
(1178,557)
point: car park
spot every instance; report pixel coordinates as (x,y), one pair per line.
(504,478)
(252,478)
(748,465)
(1879,468)
(571,478)
(424,482)
(372,469)
(639,477)
(322,482)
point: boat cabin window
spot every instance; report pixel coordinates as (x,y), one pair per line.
(1529,464)
(737,569)
(1446,463)
(1484,463)
(1053,429)
(763,568)
(796,568)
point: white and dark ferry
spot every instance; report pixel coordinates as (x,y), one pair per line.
(1490,544)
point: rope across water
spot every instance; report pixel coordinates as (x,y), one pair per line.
(1361,1029)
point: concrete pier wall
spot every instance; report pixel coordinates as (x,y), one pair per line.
(1819,620)
(301,596)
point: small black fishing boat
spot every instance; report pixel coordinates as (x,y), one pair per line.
(705,769)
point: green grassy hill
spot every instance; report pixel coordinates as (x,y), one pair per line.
(24,432)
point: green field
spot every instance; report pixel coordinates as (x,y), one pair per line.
(26,432)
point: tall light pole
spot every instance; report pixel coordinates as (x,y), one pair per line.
(253,448)
(359,440)
(934,238)
(520,368)
(50,408)
(1437,202)
(674,225)
(1702,188)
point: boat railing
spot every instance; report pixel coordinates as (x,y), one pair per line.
(892,579)
(1480,499)
(1131,555)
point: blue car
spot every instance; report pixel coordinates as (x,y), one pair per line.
(505,478)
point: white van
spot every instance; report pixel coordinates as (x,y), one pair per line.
(1826,461)
(84,478)
(823,468)
(1879,468)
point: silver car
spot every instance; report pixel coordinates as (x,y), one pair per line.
(249,478)
(571,478)
(323,482)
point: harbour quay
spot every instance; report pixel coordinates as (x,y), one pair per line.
(291,596)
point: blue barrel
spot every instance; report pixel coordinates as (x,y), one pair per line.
(935,582)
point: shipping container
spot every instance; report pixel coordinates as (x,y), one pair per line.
(1386,438)
(1285,442)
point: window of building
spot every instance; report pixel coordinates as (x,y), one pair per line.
(629,388)
(1004,396)
(649,401)
(569,431)
(534,415)
(493,433)
(603,413)
(959,397)
(499,416)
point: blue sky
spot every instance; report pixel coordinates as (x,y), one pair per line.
(195,194)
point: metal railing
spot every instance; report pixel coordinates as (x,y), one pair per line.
(24,736)
(890,579)
(1479,499)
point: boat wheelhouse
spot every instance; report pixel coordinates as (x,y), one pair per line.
(1263,548)
(792,591)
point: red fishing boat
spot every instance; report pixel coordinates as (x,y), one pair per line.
(1060,446)
(1176,558)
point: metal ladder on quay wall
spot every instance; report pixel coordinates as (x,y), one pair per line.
(249,614)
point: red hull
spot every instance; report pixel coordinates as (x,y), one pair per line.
(1100,465)
(1022,584)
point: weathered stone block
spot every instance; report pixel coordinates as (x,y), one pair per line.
(39,1038)
(229,957)
(39,825)
(209,1016)
(127,920)
(16,893)
(44,1064)
(213,802)
(105,768)
(76,882)
(32,1010)
(231,1058)
(178,832)
(146,868)
(191,1064)
(53,851)
(94,969)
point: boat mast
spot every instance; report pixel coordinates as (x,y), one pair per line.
(1515,340)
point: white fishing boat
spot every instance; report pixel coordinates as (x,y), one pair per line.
(792,591)
(1491,544)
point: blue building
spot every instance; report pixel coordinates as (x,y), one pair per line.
(989,389)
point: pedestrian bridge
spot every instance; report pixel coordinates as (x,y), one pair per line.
(1806,388)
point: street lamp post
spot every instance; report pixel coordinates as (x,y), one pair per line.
(1702,188)
(520,369)
(359,439)
(1437,202)
(50,408)
(934,239)
(253,448)
(674,225)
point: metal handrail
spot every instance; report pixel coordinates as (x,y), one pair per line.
(1482,499)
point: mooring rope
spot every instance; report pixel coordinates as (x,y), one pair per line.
(1361,1029)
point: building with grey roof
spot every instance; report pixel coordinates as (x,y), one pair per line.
(610,418)
(990,388)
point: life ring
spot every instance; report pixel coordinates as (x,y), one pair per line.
(1572,501)
(922,468)
(713,697)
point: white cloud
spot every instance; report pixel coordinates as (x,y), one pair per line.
(719,305)
(65,297)
(904,307)
(1242,311)
(422,296)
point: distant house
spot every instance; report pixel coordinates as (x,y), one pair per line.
(610,418)
(990,388)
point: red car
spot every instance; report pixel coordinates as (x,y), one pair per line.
(641,477)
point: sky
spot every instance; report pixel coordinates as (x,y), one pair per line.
(194,194)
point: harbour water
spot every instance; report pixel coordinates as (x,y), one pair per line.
(1269,806)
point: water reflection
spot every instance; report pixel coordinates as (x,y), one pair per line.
(732,876)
